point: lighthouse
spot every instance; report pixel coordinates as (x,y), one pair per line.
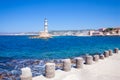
(44,34)
(46,25)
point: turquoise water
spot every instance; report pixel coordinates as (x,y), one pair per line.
(21,47)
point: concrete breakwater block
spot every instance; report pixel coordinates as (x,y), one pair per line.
(116,50)
(79,62)
(88,59)
(102,56)
(66,64)
(106,53)
(95,57)
(26,74)
(50,70)
(110,52)
(26,78)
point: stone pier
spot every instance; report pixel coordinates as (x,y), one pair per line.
(104,69)
(50,67)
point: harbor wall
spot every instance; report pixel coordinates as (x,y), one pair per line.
(80,62)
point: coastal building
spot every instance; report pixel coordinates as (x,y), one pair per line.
(119,32)
(95,33)
(112,31)
(90,33)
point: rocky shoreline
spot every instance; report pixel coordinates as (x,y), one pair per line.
(10,69)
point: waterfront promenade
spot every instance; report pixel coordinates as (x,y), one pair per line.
(106,69)
(97,67)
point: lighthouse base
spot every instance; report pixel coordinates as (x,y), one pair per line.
(44,35)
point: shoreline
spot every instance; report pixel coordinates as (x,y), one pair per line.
(39,65)
(51,36)
(107,69)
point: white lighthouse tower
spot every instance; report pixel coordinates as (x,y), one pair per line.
(44,34)
(46,25)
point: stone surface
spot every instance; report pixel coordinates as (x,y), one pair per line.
(26,78)
(110,52)
(95,57)
(79,62)
(88,59)
(102,56)
(116,50)
(26,74)
(109,69)
(66,64)
(106,53)
(50,70)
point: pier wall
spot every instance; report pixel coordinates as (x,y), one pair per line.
(50,70)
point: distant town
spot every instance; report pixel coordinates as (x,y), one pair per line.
(105,32)
(99,32)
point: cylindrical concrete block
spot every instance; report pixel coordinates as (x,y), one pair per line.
(102,56)
(116,50)
(66,64)
(88,60)
(96,57)
(110,53)
(50,70)
(26,74)
(106,54)
(79,62)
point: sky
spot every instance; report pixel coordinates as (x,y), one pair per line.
(28,15)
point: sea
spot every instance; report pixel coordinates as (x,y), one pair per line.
(17,52)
